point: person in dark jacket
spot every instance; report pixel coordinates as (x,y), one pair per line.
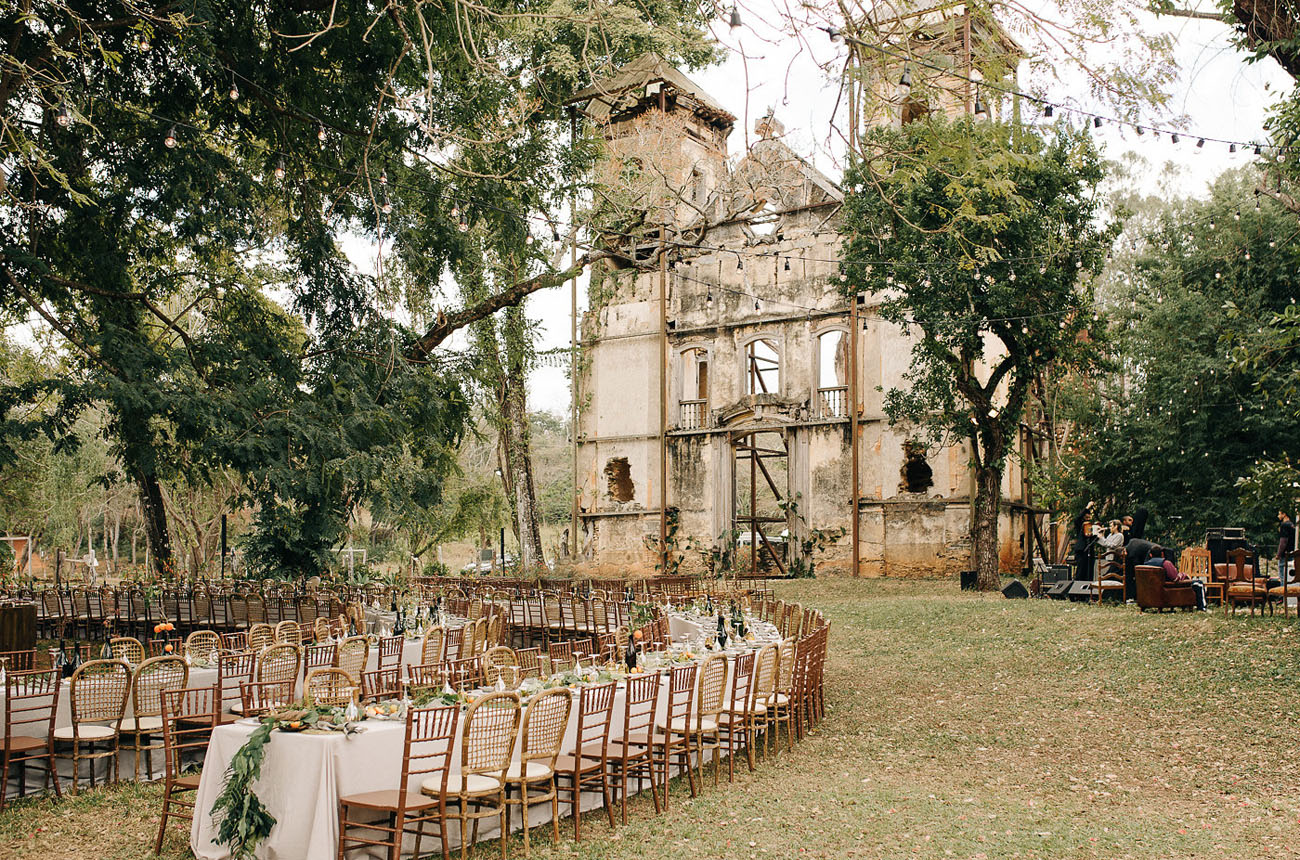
(1285,543)
(1137,551)
(1083,544)
(1135,526)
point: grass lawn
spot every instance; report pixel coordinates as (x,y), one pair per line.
(958,725)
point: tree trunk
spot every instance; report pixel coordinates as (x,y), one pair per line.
(984,530)
(155,523)
(518,445)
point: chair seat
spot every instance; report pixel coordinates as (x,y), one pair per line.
(1291,588)
(536,771)
(87,732)
(187,782)
(636,739)
(1245,590)
(471,785)
(692,724)
(21,743)
(142,724)
(390,798)
(728,718)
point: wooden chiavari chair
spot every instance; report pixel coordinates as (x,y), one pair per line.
(673,738)
(631,752)
(426,757)
(381,684)
(319,656)
(188,719)
(31,703)
(233,670)
(288,632)
(589,763)
(431,646)
(390,652)
(202,645)
(259,697)
(260,635)
(736,721)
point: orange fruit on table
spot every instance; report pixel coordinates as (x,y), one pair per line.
(168,648)
(157,628)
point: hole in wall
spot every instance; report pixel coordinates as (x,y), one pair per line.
(618,475)
(917,474)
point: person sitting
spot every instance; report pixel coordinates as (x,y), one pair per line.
(1174,576)
(1108,547)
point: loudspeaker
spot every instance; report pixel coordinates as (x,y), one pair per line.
(1015,589)
(969,579)
(1056,573)
(1082,589)
(1059,590)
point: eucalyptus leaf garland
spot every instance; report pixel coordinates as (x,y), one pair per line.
(242,821)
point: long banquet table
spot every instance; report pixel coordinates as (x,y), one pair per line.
(304,775)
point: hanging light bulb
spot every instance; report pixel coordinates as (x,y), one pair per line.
(383,177)
(735,22)
(234,90)
(1042,270)
(1200,146)
(170,140)
(1232,147)
(555,234)
(528,240)
(1212,224)
(279,170)
(834,33)
(63,116)
(142,44)
(905,82)
(1012,276)
(740,264)
(980,110)
(387,207)
(463,226)
(1259,150)
(708,299)
(455,211)
(1236,215)
(1141,131)
(1173,137)
(1096,122)
(1048,111)
(320,132)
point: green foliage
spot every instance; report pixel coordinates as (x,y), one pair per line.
(1196,417)
(988,229)
(242,819)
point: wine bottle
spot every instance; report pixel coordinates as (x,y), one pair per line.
(722,631)
(629,656)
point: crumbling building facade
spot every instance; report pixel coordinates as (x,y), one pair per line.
(724,378)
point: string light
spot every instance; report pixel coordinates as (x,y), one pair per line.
(388,208)
(787,264)
(170,140)
(980,109)
(735,22)
(234,89)
(1048,111)
(905,82)
(63,116)
(834,33)
(320,132)
(279,170)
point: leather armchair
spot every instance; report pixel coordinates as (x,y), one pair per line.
(1153,592)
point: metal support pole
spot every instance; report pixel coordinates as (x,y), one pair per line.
(856,493)
(663,398)
(573,348)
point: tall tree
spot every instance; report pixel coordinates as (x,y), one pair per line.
(988,237)
(161,165)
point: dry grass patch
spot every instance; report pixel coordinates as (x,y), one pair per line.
(960,726)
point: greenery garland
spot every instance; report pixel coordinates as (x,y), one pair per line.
(242,821)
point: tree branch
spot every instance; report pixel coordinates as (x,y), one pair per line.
(490,305)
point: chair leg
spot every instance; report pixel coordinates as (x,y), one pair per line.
(504,829)
(604,790)
(343,830)
(523,810)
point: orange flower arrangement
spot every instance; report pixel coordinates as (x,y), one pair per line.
(168,648)
(164,627)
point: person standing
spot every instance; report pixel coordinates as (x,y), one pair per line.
(1285,543)
(1134,527)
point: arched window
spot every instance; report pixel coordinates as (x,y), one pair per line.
(694,388)
(832,373)
(762,367)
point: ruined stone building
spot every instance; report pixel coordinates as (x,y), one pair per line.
(722,367)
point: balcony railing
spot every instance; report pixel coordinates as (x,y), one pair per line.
(692,417)
(833,402)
